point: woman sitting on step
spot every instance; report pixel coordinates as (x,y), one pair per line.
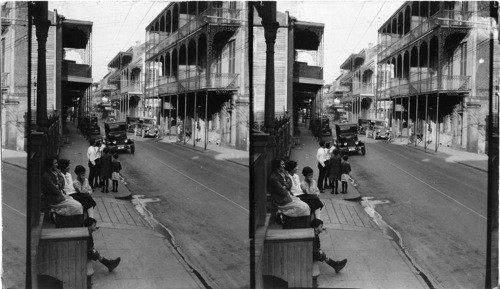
(52,188)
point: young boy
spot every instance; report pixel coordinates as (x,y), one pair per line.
(318,254)
(346,173)
(116,167)
(93,254)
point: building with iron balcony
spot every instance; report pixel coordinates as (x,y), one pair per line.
(127,76)
(359,80)
(298,69)
(197,71)
(433,64)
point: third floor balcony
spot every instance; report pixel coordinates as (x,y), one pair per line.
(392,43)
(159,41)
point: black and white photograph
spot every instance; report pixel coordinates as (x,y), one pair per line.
(249,144)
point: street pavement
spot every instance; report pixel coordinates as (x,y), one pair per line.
(374,258)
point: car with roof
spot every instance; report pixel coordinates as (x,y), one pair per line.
(377,129)
(94,126)
(116,137)
(146,127)
(346,138)
(326,130)
(363,123)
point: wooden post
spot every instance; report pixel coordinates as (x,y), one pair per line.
(206,118)
(437,122)
(184,121)
(426,120)
(42,25)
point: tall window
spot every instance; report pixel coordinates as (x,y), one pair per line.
(232,56)
(463,59)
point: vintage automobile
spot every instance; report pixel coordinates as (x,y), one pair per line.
(326,130)
(363,123)
(346,138)
(116,137)
(146,127)
(377,129)
(94,126)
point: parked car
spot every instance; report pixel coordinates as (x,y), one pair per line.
(326,130)
(363,123)
(346,138)
(116,137)
(94,126)
(377,129)
(146,127)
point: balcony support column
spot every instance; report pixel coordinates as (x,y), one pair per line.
(194,120)
(42,25)
(270,30)
(177,116)
(169,119)
(416,117)
(426,119)
(206,118)
(184,121)
(408,119)
(437,122)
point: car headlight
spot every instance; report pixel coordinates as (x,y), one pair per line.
(114,142)
(356,143)
(345,144)
(126,140)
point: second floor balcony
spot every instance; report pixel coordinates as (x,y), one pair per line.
(5,80)
(363,89)
(70,69)
(214,81)
(135,87)
(307,73)
(448,83)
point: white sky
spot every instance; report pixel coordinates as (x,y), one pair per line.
(117,25)
(349,26)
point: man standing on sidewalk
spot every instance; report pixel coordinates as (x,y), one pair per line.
(321,156)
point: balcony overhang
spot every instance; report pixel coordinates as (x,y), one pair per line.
(353,58)
(76,33)
(308,35)
(310,81)
(121,60)
(76,83)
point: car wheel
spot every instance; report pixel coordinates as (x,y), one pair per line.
(132,149)
(363,151)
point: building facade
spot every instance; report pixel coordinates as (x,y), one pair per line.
(359,81)
(197,71)
(126,83)
(435,59)
(68,70)
(298,69)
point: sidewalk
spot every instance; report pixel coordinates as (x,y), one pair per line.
(149,260)
(374,259)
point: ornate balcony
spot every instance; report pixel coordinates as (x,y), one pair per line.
(133,87)
(363,88)
(449,83)
(170,85)
(443,18)
(212,15)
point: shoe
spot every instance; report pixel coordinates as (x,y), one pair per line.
(337,265)
(111,264)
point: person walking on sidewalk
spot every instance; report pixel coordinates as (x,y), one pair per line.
(311,200)
(84,198)
(346,173)
(335,172)
(53,190)
(116,167)
(94,255)
(319,255)
(105,173)
(91,156)
(279,187)
(321,157)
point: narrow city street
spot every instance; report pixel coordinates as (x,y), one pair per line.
(436,205)
(203,202)
(14,226)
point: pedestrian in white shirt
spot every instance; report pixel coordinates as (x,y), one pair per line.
(91,156)
(321,156)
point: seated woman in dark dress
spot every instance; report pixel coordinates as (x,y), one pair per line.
(83,197)
(312,200)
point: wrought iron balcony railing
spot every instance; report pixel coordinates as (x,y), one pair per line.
(133,87)
(443,18)
(211,15)
(172,85)
(401,87)
(363,88)
(307,71)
